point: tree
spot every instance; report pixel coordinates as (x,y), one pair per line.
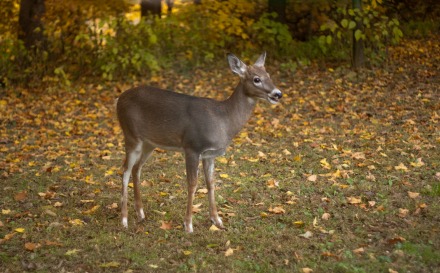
(31,27)
(153,7)
(358,43)
(279,7)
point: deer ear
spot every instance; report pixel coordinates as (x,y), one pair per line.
(237,66)
(261,59)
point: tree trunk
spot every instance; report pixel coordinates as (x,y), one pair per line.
(170,4)
(279,7)
(198,2)
(358,45)
(29,20)
(153,7)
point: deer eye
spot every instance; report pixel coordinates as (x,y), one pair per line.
(257,80)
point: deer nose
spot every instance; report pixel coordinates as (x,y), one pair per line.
(277,93)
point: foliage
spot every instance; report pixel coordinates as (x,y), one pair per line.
(87,39)
(273,35)
(378,30)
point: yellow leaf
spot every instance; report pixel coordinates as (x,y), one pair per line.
(277,210)
(307,270)
(19,230)
(222,160)
(298,224)
(229,252)
(187,252)
(401,167)
(72,252)
(92,210)
(354,200)
(297,158)
(6,211)
(204,191)
(76,222)
(224,175)
(413,195)
(325,164)
(214,228)
(110,264)
(418,163)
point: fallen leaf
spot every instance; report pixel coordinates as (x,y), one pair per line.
(92,210)
(58,204)
(392,271)
(401,167)
(354,200)
(403,213)
(371,203)
(395,240)
(306,270)
(325,164)
(76,222)
(6,211)
(359,250)
(205,191)
(21,196)
(153,266)
(413,195)
(7,237)
(224,175)
(196,208)
(72,252)
(298,224)
(312,178)
(277,210)
(214,228)
(325,216)
(110,264)
(358,155)
(419,163)
(19,230)
(229,252)
(31,246)
(272,183)
(306,235)
(166,225)
(187,252)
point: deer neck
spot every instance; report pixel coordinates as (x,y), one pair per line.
(239,107)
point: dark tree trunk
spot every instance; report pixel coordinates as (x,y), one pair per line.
(198,2)
(31,27)
(279,7)
(358,46)
(153,7)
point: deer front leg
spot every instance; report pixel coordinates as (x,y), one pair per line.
(192,165)
(208,168)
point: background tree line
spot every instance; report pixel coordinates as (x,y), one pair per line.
(50,40)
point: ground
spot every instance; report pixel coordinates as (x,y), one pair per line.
(342,176)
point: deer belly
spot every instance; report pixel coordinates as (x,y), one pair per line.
(213,153)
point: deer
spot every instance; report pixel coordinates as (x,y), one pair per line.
(201,128)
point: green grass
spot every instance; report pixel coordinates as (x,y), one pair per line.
(70,162)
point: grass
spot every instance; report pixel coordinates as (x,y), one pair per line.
(371,143)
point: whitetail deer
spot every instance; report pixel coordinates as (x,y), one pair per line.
(202,128)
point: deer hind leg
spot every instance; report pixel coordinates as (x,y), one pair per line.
(133,152)
(208,168)
(136,174)
(192,165)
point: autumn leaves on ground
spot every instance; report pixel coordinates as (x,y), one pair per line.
(342,176)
